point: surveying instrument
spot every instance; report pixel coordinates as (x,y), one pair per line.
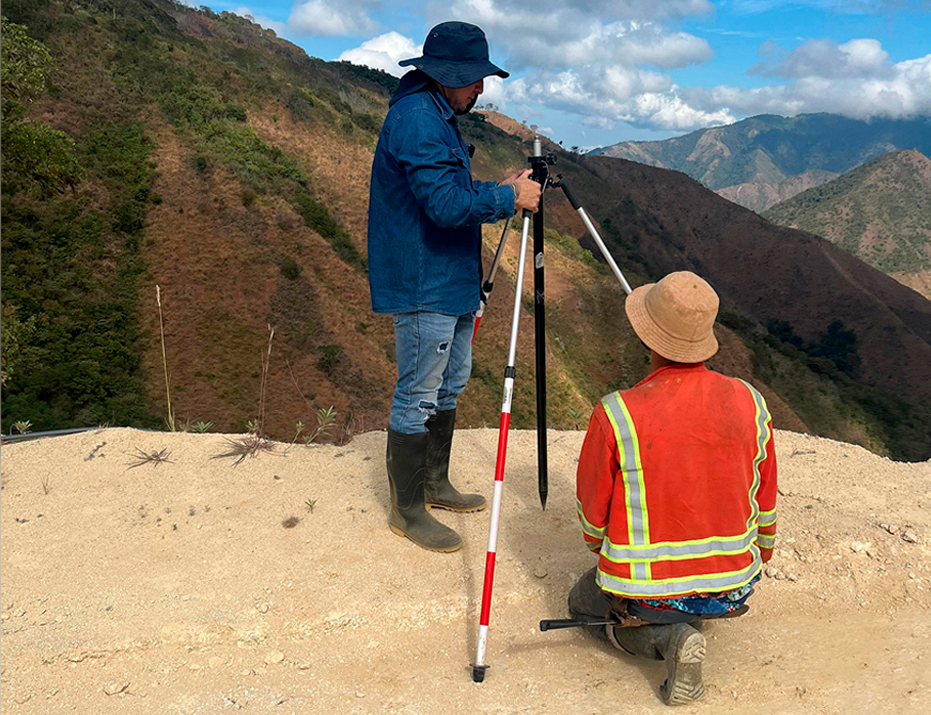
(540,172)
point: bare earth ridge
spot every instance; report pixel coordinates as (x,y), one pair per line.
(176,588)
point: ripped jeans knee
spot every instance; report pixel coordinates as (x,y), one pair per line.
(434,354)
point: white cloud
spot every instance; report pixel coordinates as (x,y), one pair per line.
(861,58)
(333,18)
(384,52)
(902,90)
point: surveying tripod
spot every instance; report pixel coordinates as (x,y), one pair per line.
(539,164)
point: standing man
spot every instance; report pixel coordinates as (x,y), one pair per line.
(425,268)
(676,490)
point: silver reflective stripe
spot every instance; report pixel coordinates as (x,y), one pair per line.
(662,588)
(587,526)
(766,542)
(629,459)
(762,437)
(767,518)
(672,550)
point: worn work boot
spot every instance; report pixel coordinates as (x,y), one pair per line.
(406,460)
(439,492)
(680,645)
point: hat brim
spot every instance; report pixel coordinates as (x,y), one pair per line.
(669,346)
(454,74)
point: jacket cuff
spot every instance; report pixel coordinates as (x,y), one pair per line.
(504,201)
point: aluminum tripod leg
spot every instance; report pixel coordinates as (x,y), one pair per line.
(489,285)
(479,667)
(594,234)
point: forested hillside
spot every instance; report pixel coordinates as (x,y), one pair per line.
(198,155)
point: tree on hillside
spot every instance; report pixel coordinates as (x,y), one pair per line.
(35,157)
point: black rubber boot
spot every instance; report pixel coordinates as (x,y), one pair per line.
(439,492)
(680,645)
(406,460)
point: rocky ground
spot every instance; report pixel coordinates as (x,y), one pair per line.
(196,586)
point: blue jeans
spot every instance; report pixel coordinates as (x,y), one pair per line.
(434,353)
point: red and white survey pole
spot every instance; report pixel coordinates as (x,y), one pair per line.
(479,667)
(489,285)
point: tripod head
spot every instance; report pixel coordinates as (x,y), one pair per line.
(540,163)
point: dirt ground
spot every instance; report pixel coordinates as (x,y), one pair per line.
(176,588)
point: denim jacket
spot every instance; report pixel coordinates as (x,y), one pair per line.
(425,211)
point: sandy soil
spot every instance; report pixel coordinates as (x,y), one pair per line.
(175,588)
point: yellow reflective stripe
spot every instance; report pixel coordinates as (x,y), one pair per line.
(706,583)
(762,419)
(766,542)
(767,518)
(593,547)
(620,449)
(680,550)
(628,445)
(587,526)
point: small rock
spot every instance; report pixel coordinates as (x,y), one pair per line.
(773,572)
(540,572)
(360,694)
(115,688)
(911,575)
(910,536)
(263,608)
(274,656)
(791,577)
(891,528)
(859,546)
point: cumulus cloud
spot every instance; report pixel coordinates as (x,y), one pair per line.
(900,90)
(384,52)
(333,18)
(863,58)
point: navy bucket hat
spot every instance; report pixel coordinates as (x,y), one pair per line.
(455,54)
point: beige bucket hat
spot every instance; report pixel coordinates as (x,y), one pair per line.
(675,317)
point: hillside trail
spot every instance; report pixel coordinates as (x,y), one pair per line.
(182,588)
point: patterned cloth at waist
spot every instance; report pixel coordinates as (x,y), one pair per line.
(701,603)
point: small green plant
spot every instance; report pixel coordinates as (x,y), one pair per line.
(326,419)
(310,504)
(155,457)
(22,426)
(201,427)
(576,417)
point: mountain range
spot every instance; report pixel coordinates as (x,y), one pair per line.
(207,264)
(879,212)
(763,160)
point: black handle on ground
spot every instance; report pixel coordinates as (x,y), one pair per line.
(554,623)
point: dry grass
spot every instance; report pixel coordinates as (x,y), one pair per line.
(154,457)
(248,446)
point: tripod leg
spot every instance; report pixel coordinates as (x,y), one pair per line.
(594,234)
(539,324)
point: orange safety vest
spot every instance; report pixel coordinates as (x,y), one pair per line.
(686,500)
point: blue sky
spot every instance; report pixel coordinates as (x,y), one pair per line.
(597,72)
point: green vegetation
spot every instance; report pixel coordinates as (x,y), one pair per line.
(71,260)
(879,212)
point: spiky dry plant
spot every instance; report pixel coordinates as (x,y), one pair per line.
(247,446)
(155,457)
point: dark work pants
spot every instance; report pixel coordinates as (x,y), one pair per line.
(588,602)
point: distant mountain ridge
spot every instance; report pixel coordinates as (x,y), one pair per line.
(879,212)
(761,161)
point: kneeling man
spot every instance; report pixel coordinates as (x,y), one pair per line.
(676,490)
